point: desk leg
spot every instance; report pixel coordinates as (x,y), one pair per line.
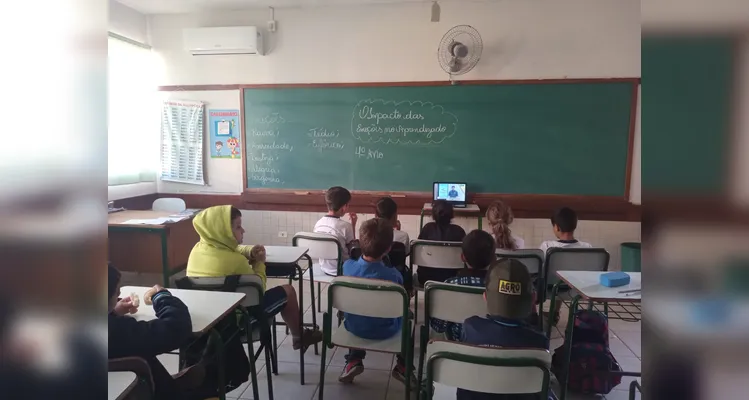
(568,347)
(421,220)
(479,221)
(312,296)
(301,321)
(164,258)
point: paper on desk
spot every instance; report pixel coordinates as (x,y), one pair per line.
(154,221)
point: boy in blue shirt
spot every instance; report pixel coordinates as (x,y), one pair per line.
(509,300)
(375,239)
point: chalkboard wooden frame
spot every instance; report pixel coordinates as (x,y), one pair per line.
(606,208)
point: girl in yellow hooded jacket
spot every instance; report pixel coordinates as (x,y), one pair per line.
(220,253)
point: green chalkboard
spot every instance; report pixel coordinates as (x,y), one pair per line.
(539,138)
(686,113)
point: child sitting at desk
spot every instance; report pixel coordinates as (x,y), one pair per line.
(337,199)
(440,230)
(509,301)
(171,329)
(564,223)
(499,215)
(220,253)
(478,254)
(375,239)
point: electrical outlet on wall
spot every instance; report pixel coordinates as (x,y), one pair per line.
(282,234)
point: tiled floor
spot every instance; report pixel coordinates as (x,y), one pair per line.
(376,382)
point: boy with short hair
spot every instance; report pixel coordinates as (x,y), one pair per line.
(479,250)
(509,301)
(564,223)
(337,199)
(386,208)
(375,240)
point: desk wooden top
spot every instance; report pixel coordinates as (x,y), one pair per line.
(471,209)
(117,218)
(206,308)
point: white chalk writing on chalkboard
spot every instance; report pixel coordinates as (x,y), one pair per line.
(263,158)
(255,132)
(369,154)
(401,122)
(272,146)
(271,118)
(265,179)
(324,144)
(322,133)
(264,170)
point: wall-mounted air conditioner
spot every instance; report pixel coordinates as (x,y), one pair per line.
(223,40)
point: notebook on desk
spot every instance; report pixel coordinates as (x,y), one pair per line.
(452,192)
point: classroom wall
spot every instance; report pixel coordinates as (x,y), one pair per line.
(396,42)
(127,22)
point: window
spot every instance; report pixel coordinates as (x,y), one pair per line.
(133,113)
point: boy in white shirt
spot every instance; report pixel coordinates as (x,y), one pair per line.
(337,199)
(564,223)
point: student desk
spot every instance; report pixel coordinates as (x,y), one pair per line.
(283,261)
(588,287)
(206,310)
(470,210)
(150,248)
(119,384)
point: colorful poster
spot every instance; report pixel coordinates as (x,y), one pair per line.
(224,128)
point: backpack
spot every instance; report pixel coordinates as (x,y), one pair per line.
(590,356)
(235,360)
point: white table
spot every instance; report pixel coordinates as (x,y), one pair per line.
(588,287)
(119,384)
(283,261)
(469,210)
(206,308)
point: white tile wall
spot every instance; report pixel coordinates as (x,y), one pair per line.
(263,227)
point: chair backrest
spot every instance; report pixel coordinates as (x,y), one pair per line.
(435,254)
(368,297)
(451,302)
(488,370)
(137,365)
(171,204)
(533,259)
(250,285)
(320,245)
(573,259)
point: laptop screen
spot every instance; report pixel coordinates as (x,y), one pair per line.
(452,192)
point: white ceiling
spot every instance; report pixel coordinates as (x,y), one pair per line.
(191,6)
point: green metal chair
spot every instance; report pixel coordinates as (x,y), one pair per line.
(372,298)
(321,246)
(448,302)
(433,254)
(488,370)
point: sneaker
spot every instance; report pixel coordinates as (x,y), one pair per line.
(399,373)
(309,337)
(351,370)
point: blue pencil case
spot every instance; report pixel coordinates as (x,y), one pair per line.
(614,279)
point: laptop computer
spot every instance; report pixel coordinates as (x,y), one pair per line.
(452,192)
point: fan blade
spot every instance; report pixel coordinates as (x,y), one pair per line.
(455,64)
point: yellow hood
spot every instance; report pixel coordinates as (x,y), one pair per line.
(214,227)
(218,253)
